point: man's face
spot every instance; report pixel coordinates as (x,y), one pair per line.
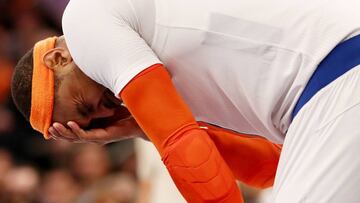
(80,99)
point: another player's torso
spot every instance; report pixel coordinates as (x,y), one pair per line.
(243,64)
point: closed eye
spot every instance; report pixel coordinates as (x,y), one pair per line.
(84,110)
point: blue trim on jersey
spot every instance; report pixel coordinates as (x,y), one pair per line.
(341,59)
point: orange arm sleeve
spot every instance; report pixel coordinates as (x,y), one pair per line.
(189,154)
(252,159)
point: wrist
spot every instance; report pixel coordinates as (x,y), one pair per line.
(136,130)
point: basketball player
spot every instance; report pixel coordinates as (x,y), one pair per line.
(273,69)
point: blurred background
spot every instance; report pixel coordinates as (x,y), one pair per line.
(33,170)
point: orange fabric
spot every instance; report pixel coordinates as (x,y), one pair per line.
(152,92)
(42,95)
(252,159)
(198,169)
(6,69)
(190,156)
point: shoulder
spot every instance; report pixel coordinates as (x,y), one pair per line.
(100,35)
(92,11)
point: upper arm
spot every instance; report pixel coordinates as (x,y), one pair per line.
(104,43)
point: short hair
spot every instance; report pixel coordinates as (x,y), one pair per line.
(21,84)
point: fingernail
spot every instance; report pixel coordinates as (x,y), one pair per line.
(70,124)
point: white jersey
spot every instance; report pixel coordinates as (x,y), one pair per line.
(239,64)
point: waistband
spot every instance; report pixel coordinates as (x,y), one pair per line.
(341,59)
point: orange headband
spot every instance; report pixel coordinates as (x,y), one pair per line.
(42,94)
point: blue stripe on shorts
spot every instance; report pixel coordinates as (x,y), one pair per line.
(341,59)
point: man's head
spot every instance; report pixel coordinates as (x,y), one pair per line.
(77,97)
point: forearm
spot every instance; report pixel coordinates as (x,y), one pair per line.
(191,157)
(252,159)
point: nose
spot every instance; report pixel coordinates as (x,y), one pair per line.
(102,112)
(84,123)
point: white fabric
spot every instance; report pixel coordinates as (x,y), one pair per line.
(238,64)
(319,161)
(241,65)
(151,169)
(103,40)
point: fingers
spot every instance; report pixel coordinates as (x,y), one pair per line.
(88,136)
(58,131)
(75,128)
(76,134)
(54,134)
(63,131)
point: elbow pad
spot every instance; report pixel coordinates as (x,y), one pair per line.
(195,163)
(252,159)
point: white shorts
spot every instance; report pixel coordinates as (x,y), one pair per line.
(320,160)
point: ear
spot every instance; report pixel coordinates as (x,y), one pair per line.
(57,58)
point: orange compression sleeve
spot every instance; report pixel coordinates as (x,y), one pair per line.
(252,159)
(189,154)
